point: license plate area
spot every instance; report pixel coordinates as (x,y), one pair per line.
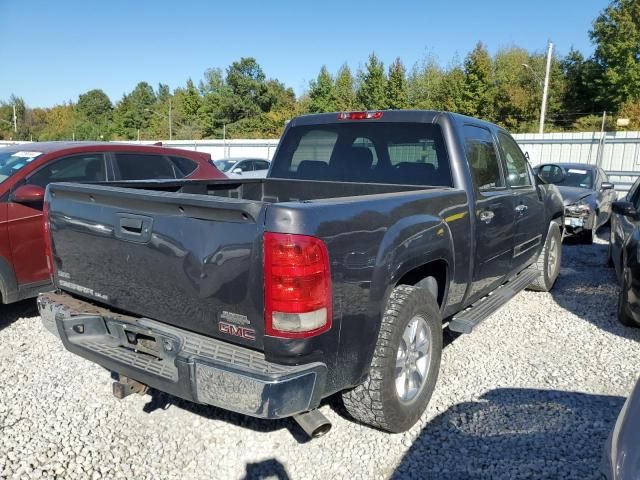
(145,341)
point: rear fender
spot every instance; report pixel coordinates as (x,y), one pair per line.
(409,244)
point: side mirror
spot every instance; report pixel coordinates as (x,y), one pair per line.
(607,186)
(624,208)
(237,171)
(28,194)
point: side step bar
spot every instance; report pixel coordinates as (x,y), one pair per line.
(467,320)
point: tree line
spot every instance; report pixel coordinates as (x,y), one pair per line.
(242,102)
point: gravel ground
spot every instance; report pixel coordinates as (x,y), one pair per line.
(533,393)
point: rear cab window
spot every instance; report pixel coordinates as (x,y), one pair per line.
(397,153)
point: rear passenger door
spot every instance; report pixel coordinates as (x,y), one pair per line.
(494,213)
(530,222)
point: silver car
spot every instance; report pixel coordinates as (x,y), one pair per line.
(244,167)
(622,453)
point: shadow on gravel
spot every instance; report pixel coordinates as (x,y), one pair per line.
(161,400)
(11,313)
(271,469)
(588,288)
(515,433)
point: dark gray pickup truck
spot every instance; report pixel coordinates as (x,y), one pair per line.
(337,273)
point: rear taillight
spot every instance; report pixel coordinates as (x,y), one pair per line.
(47,237)
(297,284)
(359,115)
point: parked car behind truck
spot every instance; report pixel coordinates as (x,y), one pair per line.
(334,274)
(26,170)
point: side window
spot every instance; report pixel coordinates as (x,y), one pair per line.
(183,166)
(140,166)
(482,158)
(76,168)
(245,166)
(262,165)
(518,174)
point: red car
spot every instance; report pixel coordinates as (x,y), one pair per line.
(25,171)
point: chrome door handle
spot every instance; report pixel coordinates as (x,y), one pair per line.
(521,208)
(486,216)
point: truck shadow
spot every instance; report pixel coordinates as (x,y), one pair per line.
(515,433)
(588,288)
(14,311)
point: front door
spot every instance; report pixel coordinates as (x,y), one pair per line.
(494,213)
(529,211)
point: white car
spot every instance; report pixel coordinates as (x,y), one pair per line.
(243,167)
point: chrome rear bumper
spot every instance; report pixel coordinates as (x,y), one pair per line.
(182,363)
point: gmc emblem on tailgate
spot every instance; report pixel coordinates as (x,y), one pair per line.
(237,331)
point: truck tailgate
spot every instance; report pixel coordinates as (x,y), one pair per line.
(124,248)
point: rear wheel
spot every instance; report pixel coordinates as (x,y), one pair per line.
(548,263)
(405,364)
(624,316)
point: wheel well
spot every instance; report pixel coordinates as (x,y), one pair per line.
(436,269)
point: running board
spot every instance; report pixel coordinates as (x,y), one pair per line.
(468,319)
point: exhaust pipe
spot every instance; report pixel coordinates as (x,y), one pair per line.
(313,423)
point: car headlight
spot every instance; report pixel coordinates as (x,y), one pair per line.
(578,209)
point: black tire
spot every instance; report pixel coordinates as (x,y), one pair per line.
(547,275)
(622,310)
(376,402)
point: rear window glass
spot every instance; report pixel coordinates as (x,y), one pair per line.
(183,166)
(399,153)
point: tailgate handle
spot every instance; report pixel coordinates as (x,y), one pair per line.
(131,225)
(135,228)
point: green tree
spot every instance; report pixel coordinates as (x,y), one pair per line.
(345,95)
(616,35)
(424,84)
(371,92)
(94,115)
(397,93)
(246,80)
(322,95)
(479,84)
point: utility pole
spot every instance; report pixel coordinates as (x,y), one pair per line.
(170,128)
(224,139)
(15,119)
(545,92)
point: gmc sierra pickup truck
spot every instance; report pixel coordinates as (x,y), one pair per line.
(337,273)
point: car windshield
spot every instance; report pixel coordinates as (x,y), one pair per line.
(224,165)
(577,177)
(13,161)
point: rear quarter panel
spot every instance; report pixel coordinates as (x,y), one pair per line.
(372,242)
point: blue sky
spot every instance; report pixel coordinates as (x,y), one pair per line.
(54,50)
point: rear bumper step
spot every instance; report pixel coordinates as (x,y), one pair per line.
(468,319)
(188,365)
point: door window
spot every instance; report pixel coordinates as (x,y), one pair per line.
(245,166)
(76,168)
(140,166)
(482,158)
(518,173)
(262,165)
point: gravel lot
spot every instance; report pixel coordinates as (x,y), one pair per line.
(533,393)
